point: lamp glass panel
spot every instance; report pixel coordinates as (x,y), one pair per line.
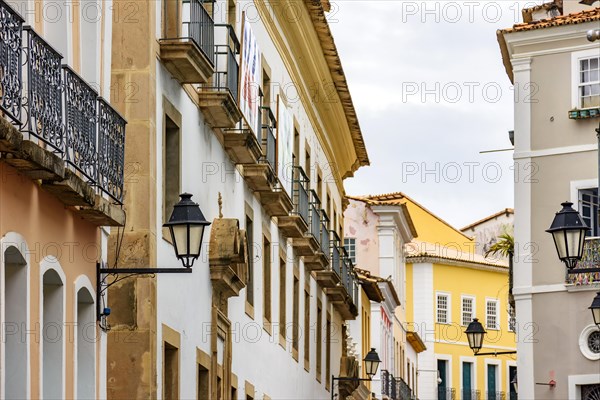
(195,239)
(559,241)
(574,242)
(596,315)
(180,238)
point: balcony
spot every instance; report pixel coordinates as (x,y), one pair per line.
(56,128)
(319,259)
(308,244)
(446,393)
(591,259)
(295,224)
(261,176)
(394,388)
(330,278)
(495,396)
(218,99)
(470,394)
(187,51)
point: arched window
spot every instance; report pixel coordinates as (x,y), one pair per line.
(52,335)
(14,325)
(86,345)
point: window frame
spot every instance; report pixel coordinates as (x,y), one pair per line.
(462,308)
(576,58)
(350,246)
(448,296)
(489,300)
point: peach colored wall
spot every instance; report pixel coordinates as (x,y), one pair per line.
(361,223)
(49,229)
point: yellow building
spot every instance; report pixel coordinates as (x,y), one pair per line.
(447,285)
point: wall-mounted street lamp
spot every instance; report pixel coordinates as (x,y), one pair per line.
(595,309)
(475,334)
(186,226)
(568,231)
(371,361)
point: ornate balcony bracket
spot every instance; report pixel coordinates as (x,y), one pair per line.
(228,257)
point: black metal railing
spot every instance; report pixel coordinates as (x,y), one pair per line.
(300,197)
(403,390)
(470,394)
(11,50)
(334,245)
(497,395)
(315,216)
(80,124)
(269,124)
(198,26)
(393,387)
(43,108)
(62,111)
(226,61)
(111,154)
(324,233)
(446,393)
(385,383)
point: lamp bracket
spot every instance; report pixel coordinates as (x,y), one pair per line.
(495,353)
(102,286)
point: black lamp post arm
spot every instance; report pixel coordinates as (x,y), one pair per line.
(347,379)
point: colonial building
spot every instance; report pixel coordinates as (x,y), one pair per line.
(375,235)
(61,181)
(444,285)
(244,105)
(555,68)
(486,231)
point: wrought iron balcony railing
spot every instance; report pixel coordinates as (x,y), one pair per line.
(269,123)
(470,394)
(11,51)
(403,390)
(300,196)
(385,383)
(336,256)
(324,234)
(198,26)
(446,393)
(57,108)
(497,395)
(591,259)
(226,61)
(315,216)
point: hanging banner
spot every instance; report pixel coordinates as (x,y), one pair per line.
(250,77)
(285,143)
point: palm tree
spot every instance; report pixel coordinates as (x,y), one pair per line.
(505,246)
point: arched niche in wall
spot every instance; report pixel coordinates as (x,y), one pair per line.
(85,377)
(53,325)
(228,257)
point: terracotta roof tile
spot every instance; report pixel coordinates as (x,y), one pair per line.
(569,19)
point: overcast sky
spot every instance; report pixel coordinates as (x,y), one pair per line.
(431,92)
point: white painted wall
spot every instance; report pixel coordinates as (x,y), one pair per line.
(424,325)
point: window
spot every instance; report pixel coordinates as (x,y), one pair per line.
(319,338)
(443,316)
(170,372)
(282,297)
(295,317)
(588,91)
(203,383)
(86,345)
(468,304)
(53,320)
(171,167)
(250,283)
(327,351)
(350,245)
(307,328)
(588,207)
(512,320)
(492,314)
(267,282)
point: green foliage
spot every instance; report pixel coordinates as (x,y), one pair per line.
(505,246)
